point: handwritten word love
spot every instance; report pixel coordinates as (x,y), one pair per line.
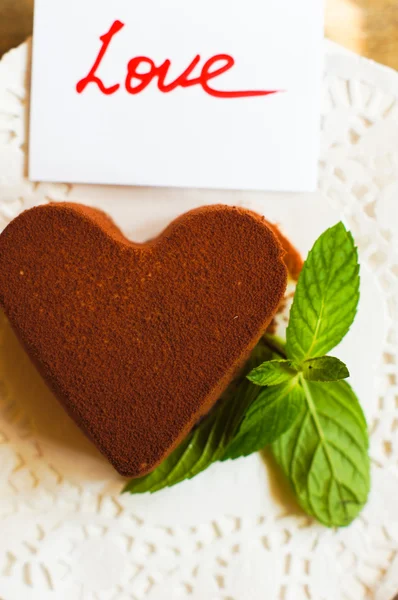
(136,82)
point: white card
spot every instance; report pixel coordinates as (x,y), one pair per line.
(187,93)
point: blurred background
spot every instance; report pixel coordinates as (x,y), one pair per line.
(369,27)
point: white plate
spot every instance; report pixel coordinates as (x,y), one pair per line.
(235,531)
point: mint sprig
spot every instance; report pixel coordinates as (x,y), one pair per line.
(326,296)
(325,454)
(273,372)
(294,399)
(270,414)
(324,368)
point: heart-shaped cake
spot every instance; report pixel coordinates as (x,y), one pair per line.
(138,341)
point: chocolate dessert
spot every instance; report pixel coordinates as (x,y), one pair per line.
(138,341)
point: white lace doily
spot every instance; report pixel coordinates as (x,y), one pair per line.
(235,532)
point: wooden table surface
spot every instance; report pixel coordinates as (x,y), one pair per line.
(369,27)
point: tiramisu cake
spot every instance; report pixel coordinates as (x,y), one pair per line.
(138,341)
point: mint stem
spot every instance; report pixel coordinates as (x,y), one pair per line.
(276,344)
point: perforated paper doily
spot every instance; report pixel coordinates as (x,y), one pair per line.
(234,532)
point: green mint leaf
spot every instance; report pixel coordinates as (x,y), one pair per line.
(272,372)
(325,368)
(326,297)
(207,443)
(325,454)
(272,413)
